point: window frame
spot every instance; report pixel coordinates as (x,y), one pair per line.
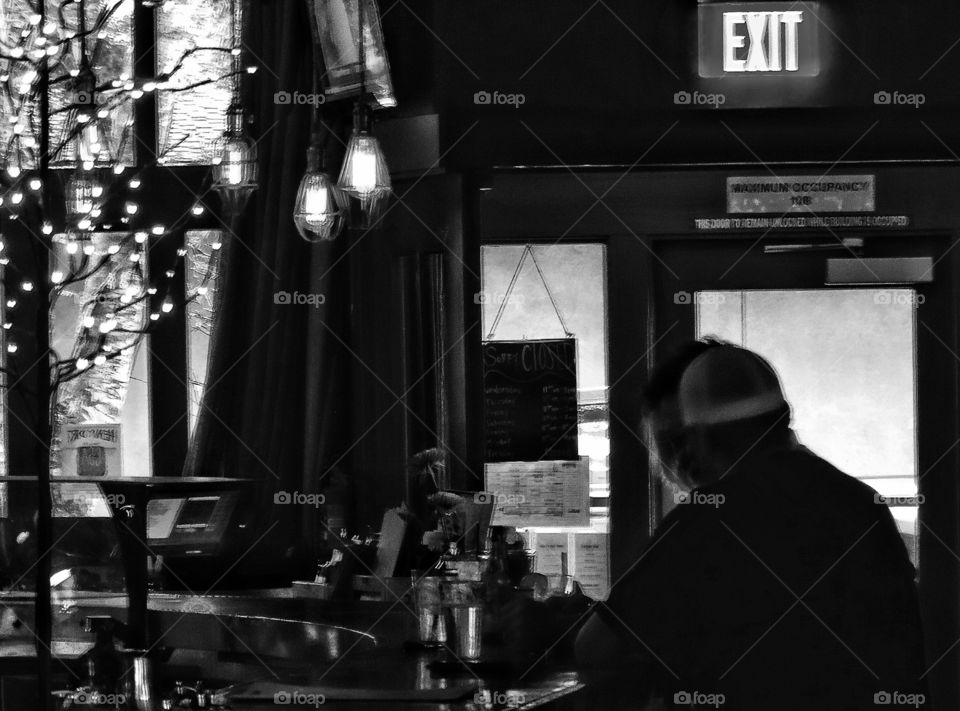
(173,191)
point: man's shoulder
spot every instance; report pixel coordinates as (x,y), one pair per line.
(852,485)
(688,518)
(800,465)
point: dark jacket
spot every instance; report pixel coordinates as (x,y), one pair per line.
(784,585)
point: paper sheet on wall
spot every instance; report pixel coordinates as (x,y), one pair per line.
(591,560)
(588,559)
(550,547)
(548,493)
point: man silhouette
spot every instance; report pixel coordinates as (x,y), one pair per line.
(777,582)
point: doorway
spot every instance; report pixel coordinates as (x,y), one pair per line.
(868,367)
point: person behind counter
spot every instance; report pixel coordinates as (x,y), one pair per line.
(780,583)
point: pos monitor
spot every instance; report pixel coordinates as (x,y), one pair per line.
(191,525)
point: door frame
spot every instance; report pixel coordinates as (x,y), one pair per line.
(687,264)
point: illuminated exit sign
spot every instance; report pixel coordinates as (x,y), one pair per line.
(758,39)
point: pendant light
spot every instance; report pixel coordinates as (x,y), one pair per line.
(234,162)
(234,154)
(321,208)
(364,174)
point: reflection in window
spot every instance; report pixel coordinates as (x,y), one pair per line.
(576,274)
(115,391)
(202,281)
(190,121)
(4,499)
(846,359)
(85,556)
(110,51)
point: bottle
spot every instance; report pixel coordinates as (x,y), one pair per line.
(496,580)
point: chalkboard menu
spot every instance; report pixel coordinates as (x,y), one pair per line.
(530,400)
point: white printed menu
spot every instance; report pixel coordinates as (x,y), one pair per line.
(588,559)
(550,547)
(591,559)
(548,493)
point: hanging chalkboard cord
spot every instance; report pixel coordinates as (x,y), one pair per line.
(506,296)
(563,324)
(527,249)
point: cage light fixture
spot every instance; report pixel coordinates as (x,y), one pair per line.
(321,209)
(364,173)
(234,154)
(235,163)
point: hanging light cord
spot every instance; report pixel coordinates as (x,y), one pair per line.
(235,15)
(362,50)
(83,32)
(319,131)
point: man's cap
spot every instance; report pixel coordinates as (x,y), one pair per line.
(727,384)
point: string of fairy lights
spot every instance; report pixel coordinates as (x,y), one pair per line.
(95,155)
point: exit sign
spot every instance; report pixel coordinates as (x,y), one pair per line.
(759,39)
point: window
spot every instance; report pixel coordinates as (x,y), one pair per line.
(190,121)
(202,282)
(116,391)
(138,388)
(846,358)
(576,276)
(198,37)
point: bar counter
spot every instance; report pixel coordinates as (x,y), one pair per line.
(270,647)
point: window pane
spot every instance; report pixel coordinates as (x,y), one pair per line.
(85,557)
(117,390)
(202,281)
(4,501)
(13,103)
(846,359)
(190,121)
(110,51)
(576,274)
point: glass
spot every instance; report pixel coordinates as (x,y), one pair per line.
(191,121)
(3,395)
(428,599)
(114,392)
(202,263)
(467,621)
(365,175)
(336,33)
(320,210)
(110,50)
(847,361)
(576,274)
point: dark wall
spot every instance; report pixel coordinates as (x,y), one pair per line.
(599,79)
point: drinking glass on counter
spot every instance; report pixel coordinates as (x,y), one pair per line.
(449,611)
(428,603)
(462,600)
(468,630)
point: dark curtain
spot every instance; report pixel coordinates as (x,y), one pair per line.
(422,291)
(275,409)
